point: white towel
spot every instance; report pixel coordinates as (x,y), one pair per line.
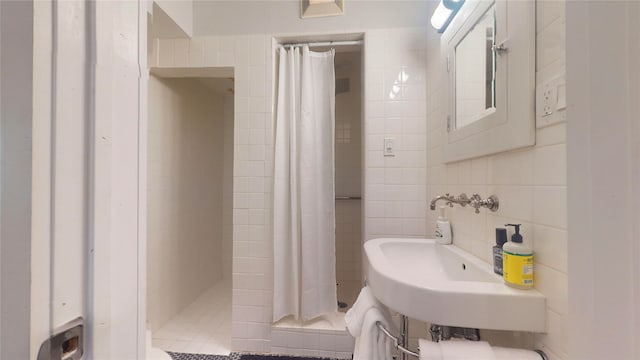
(429,350)
(455,350)
(373,344)
(361,319)
(355,316)
(502,353)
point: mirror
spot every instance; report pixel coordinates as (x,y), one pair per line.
(475,71)
(490,50)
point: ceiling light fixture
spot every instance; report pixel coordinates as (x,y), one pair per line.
(444,13)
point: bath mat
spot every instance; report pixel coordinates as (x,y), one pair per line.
(186,356)
(236,356)
(278,357)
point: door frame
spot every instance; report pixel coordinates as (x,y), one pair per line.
(113,260)
(16,112)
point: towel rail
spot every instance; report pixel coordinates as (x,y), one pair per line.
(348,198)
(395,341)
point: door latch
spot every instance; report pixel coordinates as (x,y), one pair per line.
(66,344)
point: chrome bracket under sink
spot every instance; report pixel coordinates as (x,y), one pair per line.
(442,332)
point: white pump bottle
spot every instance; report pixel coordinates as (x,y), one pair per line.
(443,228)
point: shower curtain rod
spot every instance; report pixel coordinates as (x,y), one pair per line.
(325,43)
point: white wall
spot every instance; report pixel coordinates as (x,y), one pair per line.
(603,94)
(531,184)
(232,17)
(16,89)
(181,12)
(185,187)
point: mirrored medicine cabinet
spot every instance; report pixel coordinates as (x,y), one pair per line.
(490,50)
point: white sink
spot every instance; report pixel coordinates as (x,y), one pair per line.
(445,285)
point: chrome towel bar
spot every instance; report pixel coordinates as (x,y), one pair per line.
(395,341)
(348,197)
(404,350)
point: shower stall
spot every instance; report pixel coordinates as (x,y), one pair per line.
(346,177)
(190,206)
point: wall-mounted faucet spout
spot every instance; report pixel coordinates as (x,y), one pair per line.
(435,200)
(475,201)
(462,200)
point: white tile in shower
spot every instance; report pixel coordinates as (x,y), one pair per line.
(203,327)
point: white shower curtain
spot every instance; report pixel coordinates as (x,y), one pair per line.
(304,194)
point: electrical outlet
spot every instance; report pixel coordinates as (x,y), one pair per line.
(551,102)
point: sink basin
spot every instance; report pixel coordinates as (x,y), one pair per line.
(445,285)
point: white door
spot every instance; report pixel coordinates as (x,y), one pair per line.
(87,258)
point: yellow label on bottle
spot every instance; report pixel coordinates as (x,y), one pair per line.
(517,269)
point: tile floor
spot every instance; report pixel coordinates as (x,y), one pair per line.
(204,327)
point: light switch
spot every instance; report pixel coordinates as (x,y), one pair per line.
(388,147)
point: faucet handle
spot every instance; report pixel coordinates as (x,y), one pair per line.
(476,202)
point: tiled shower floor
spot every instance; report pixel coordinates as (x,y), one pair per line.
(204,327)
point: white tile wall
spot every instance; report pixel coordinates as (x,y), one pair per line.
(252,264)
(312,342)
(394,107)
(530,182)
(394,59)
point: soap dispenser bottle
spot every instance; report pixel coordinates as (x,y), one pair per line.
(501,239)
(443,228)
(517,262)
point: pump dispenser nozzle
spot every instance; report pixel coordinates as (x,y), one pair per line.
(517,238)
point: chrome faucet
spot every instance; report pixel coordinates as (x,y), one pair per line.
(475,201)
(462,200)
